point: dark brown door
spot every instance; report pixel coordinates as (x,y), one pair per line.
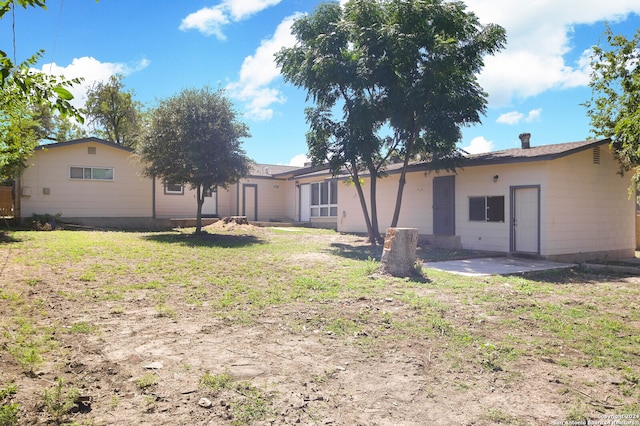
(443,205)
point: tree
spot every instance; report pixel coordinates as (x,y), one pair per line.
(22,90)
(55,127)
(114,112)
(194,138)
(326,63)
(437,49)
(406,68)
(614,107)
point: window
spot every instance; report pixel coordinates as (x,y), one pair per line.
(324,199)
(173,188)
(91,173)
(486,209)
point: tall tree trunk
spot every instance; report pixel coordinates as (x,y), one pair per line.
(200,199)
(374,204)
(363,203)
(402,181)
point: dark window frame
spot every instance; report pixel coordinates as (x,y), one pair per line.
(489,208)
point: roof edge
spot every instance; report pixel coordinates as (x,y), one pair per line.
(82,141)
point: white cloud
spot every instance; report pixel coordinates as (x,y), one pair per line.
(510,118)
(514,117)
(211,20)
(259,71)
(91,71)
(478,145)
(299,160)
(538,39)
(208,20)
(534,115)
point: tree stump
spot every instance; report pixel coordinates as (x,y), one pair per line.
(399,254)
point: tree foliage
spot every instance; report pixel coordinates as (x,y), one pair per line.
(22,92)
(113,112)
(194,138)
(389,79)
(614,107)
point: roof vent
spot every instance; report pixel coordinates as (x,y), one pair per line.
(596,155)
(266,170)
(525,140)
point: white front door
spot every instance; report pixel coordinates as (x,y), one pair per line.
(305,203)
(250,201)
(209,208)
(525,222)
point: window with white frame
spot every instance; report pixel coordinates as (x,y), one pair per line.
(173,188)
(91,173)
(324,199)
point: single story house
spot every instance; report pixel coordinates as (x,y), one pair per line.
(93,181)
(561,202)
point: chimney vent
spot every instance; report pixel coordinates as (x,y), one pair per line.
(525,140)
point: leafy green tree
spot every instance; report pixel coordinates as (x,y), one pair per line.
(21,90)
(194,138)
(390,79)
(55,127)
(113,112)
(327,64)
(614,107)
(437,49)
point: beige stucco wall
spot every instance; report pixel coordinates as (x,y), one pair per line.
(128,195)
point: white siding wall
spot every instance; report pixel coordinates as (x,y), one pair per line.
(478,182)
(128,195)
(588,208)
(175,205)
(273,199)
(416,211)
(584,207)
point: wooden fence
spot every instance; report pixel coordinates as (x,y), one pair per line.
(6,201)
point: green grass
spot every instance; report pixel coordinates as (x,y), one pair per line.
(486,324)
(248,403)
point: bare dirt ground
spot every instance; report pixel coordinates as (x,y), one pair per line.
(305,374)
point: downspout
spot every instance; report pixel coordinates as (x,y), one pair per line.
(298,202)
(238,199)
(153,197)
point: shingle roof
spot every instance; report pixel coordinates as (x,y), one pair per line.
(535,153)
(506,156)
(270,170)
(84,140)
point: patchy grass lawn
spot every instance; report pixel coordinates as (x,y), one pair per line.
(245,325)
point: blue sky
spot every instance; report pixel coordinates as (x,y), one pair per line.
(535,85)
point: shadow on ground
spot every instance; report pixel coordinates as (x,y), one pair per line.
(356,252)
(206,239)
(575,275)
(6,237)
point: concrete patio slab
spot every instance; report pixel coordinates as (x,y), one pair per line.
(494,266)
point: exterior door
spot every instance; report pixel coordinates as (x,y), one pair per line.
(444,205)
(525,219)
(250,201)
(305,203)
(210,207)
